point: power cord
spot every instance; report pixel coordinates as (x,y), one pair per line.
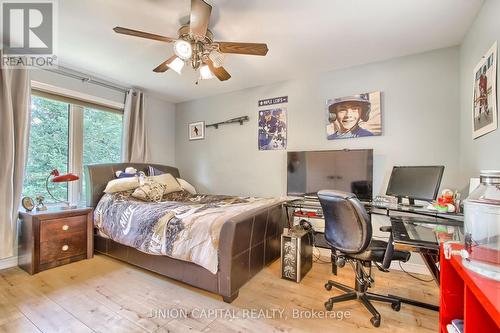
(413,276)
(317,257)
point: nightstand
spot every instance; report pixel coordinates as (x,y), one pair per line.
(54,237)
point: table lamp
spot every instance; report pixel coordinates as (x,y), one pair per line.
(55,177)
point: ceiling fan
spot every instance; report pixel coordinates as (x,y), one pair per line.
(195,45)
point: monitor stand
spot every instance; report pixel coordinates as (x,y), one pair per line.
(410,204)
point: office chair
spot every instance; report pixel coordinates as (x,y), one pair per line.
(348,230)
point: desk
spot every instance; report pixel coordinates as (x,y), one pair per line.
(440,224)
(387,209)
(424,236)
(444,226)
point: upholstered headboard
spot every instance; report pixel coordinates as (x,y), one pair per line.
(97,177)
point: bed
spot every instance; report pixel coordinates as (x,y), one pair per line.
(247,243)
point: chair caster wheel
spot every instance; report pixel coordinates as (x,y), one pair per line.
(375,321)
(396,306)
(328,306)
(328,286)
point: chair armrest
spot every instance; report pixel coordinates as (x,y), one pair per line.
(389,251)
(386,228)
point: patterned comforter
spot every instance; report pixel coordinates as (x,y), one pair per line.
(181,226)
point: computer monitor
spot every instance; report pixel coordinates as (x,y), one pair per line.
(415,182)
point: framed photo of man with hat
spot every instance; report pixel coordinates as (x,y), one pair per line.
(354,116)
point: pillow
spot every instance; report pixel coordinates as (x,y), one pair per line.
(126,175)
(122,184)
(152,171)
(129,172)
(168,181)
(186,186)
(150,191)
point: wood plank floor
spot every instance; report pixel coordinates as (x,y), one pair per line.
(105,295)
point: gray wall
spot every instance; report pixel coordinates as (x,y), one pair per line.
(160,114)
(160,125)
(420,105)
(481,153)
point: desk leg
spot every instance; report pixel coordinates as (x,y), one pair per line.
(416,303)
(431,263)
(289,218)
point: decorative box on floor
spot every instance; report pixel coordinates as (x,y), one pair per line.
(296,254)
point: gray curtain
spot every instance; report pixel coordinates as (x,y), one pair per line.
(14,132)
(135,146)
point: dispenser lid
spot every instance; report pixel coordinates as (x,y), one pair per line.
(490,173)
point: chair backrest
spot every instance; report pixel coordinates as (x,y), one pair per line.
(348,226)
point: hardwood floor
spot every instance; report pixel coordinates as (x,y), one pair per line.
(105,295)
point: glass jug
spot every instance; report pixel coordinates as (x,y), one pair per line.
(482,227)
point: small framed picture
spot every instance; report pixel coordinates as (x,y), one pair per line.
(196,130)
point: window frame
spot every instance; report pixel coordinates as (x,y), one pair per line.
(77,103)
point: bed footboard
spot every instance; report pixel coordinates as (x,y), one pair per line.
(248,243)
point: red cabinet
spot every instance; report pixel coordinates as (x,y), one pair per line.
(468,296)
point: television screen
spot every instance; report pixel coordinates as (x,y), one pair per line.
(344,170)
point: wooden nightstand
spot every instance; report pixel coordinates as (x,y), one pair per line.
(54,237)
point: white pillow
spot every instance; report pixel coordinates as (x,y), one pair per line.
(186,186)
(122,184)
(166,179)
(150,191)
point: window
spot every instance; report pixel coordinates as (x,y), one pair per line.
(66,136)
(48,147)
(102,137)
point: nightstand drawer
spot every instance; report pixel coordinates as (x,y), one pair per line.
(73,245)
(61,228)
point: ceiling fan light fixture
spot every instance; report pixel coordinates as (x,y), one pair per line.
(206,73)
(176,65)
(183,49)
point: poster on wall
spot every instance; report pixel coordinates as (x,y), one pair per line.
(196,130)
(354,116)
(484,103)
(272,129)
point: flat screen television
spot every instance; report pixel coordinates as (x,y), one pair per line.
(344,170)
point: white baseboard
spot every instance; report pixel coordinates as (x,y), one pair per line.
(408,266)
(8,262)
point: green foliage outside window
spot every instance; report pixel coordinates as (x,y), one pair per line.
(48,147)
(102,135)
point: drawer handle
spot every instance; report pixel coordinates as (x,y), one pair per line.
(65,227)
(65,248)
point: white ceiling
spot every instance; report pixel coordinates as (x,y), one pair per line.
(302,36)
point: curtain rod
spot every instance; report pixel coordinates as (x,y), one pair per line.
(85,78)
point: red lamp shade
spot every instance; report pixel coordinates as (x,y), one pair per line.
(58,178)
(69,177)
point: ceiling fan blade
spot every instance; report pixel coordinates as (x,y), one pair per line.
(142,34)
(243,48)
(220,72)
(164,65)
(200,17)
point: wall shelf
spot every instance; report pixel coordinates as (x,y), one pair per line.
(239,120)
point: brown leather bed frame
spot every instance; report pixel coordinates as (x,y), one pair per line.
(248,242)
